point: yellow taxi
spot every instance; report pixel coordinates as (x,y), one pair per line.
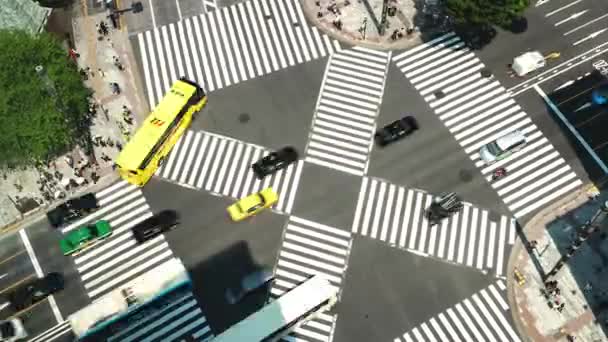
(252,204)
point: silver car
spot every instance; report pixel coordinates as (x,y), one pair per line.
(12,330)
(248,284)
(502,147)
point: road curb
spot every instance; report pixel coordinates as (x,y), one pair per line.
(517,260)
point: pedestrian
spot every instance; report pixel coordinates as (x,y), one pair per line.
(588,287)
(560,308)
(115,88)
(101,73)
(570,338)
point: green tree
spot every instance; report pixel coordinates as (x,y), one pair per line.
(38,122)
(486,12)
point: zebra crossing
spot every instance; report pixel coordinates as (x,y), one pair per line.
(179,321)
(229,45)
(311,248)
(114,262)
(477,110)
(61,330)
(345,120)
(222,165)
(484,316)
(395,215)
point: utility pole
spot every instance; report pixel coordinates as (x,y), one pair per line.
(383,23)
(582,234)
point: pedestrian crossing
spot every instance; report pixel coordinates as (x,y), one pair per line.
(59,332)
(180,320)
(395,215)
(477,110)
(484,316)
(311,248)
(222,165)
(115,261)
(229,45)
(345,120)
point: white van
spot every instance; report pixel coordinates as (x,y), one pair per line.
(502,147)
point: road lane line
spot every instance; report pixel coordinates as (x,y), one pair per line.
(12,257)
(152,13)
(16,283)
(571,128)
(179,10)
(562,8)
(38,269)
(586,24)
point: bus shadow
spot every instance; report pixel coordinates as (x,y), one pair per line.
(215,275)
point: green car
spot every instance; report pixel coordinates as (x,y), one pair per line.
(84,236)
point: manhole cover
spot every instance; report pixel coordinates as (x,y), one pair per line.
(465,176)
(244,118)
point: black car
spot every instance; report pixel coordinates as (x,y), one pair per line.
(155,225)
(35,290)
(274,162)
(396,130)
(72,210)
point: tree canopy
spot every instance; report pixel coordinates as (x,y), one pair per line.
(38,119)
(501,13)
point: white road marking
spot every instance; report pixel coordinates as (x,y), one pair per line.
(152,13)
(586,24)
(39,273)
(590,36)
(179,10)
(562,8)
(571,17)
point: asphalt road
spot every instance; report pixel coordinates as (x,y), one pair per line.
(388,291)
(216,251)
(18,268)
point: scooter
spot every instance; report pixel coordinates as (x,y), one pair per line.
(499,173)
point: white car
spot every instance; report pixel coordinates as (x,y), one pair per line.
(12,330)
(502,147)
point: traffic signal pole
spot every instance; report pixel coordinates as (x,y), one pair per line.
(383,23)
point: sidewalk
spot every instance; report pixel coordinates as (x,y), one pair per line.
(581,282)
(356,22)
(31,191)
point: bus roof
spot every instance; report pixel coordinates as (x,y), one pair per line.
(149,133)
(281,312)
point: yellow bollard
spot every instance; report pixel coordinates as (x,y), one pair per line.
(521,280)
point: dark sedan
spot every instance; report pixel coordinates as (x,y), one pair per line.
(72,210)
(35,290)
(396,130)
(274,162)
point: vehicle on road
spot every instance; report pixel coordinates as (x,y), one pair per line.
(248,284)
(600,95)
(80,238)
(396,130)
(252,204)
(502,147)
(146,150)
(72,210)
(288,312)
(148,300)
(12,330)
(33,291)
(274,162)
(155,225)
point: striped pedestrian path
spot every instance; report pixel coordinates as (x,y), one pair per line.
(478,110)
(229,45)
(344,123)
(222,165)
(395,215)
(311,248)
(485,316)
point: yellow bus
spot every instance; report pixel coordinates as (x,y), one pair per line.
(149,146)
